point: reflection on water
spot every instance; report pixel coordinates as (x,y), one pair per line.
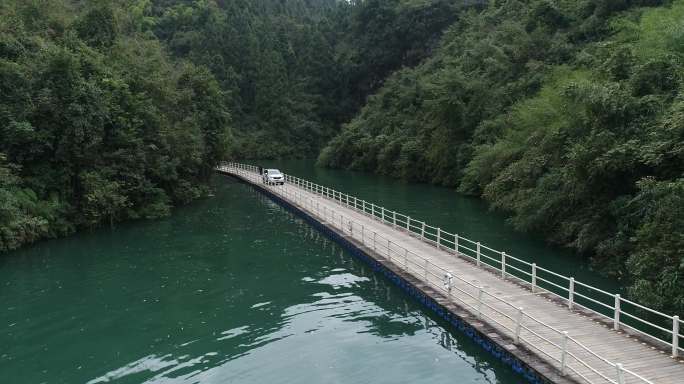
(233,289)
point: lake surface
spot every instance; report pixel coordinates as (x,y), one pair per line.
(234,289)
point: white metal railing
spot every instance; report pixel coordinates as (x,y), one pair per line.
(515,320)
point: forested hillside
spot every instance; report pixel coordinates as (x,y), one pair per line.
(97,123)
(119,109)
(566,114)
(293,71)
(272,60)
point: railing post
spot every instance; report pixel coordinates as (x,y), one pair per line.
(518,324)
(373,210)
(408,224)
(534,277)
(422,231)
(479,302)
(565,352)
(571,293)
(503,265)
(456,243)
(394,219)
(478,253)
(439,237)
(620,374)
(382,214)
(616,316)
(675,336)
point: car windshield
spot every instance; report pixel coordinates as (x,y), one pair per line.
(273,171)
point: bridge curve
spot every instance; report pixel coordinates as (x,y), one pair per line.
(566,333)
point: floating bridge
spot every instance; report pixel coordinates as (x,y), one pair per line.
(545,325)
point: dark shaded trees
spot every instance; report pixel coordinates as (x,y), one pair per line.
(97,124)
(564,114)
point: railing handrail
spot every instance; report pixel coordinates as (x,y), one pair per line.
(378,212)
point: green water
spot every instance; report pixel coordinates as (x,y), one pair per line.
(232,289)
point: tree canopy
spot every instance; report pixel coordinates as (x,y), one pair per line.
(566,114)
(97,122)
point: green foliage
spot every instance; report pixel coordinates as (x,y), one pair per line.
(22,216)
(103,200)
(293,70)
(565,114)
(656,263)
(485,62)
(97,122)
(273,61)
(98,27)
(595,162)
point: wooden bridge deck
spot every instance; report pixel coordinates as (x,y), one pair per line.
(604,346)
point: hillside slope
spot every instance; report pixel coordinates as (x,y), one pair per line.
(566,114)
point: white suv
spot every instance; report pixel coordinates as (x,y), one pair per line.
(272,176)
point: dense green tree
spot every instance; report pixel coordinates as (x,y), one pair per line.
(99,124)
(565,114)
